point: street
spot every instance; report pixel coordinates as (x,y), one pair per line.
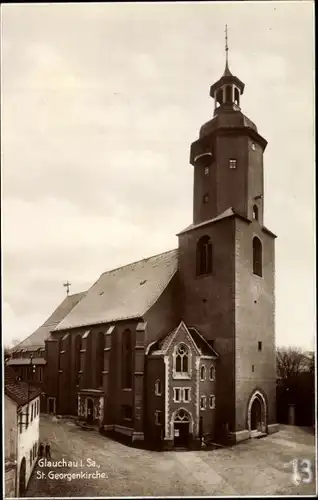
(256,467)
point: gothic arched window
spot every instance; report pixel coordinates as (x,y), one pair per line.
(204,256)
(255,212)
(228,93)
(257,256)
(182,416)
(212,372)
(77,355)
(158,387)
(100,359)
(236,96)
(202,373)
(127,359)
(182,359)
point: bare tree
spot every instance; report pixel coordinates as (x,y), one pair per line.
(291,361)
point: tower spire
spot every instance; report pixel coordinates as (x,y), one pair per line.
(227,71)
(226,47)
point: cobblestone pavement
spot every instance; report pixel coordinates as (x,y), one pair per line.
(255,467)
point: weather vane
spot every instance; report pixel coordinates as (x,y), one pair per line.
(67,284)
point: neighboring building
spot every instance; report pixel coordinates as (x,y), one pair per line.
(181,345)
(22,409)
(28,359)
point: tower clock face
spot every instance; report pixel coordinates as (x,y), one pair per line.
(253,146)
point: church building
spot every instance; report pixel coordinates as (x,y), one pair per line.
(180,346)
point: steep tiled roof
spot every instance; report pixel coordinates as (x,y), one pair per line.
(160,346)
(18,391)
(203,345)
(38,338)
(124,293)
(229,212)
(227,120)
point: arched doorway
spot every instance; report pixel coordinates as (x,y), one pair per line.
(90,411)
(257,414)
(22,477)
(182,428)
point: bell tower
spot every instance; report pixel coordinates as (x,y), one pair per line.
(228,156)
(227,264)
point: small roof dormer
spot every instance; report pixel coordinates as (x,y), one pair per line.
(227,91)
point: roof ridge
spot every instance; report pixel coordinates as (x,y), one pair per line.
(136,262)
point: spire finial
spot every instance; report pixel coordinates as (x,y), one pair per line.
(226,46)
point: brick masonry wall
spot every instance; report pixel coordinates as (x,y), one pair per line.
(228,187)
(52,368)
(204,185)
(10,434)
(255,316)
(207,388)
(209,305)
(10,481)
(231,183)
(120,395)
(255,179)
(63,400)
(192,383)
(155,369)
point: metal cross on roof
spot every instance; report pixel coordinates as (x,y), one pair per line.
(67,284)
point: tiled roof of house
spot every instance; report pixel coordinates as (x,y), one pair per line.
(124,293)
(19,392)
(37,339)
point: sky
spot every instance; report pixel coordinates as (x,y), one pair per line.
(99,106)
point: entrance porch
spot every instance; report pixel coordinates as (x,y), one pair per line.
(91,406)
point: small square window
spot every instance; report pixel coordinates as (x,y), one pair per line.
(206,171)
(203,402)
(232,163)
(206,198)
(260,345)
